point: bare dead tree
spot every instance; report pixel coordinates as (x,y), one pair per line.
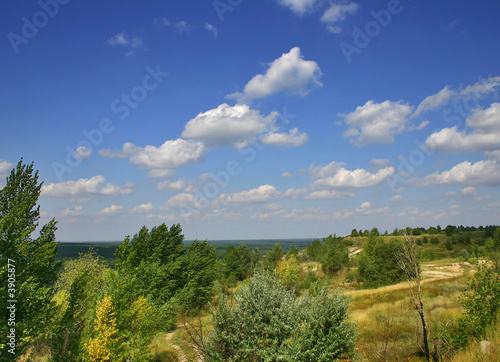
(407,260)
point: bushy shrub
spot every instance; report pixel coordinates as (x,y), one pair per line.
(267,322)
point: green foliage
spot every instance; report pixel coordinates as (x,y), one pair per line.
(289,272)
(154,261)
(434,240)
(293,251)
(332,253)
(354,233)
(32,260)
(449,230)
(378,263)
(273,256)
(267,322)
(448,244)
(200,275)
(481,302)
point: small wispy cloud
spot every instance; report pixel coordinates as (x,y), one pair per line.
(125,41)
(212,29)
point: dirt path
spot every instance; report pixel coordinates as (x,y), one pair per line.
(182,355)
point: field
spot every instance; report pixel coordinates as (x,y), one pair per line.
(388,325)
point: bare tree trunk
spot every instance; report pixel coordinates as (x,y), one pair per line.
(407,260)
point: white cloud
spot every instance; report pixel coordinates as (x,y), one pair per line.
(294,193)
(486,85)
(329,194)
(5,168)
(334,175)
(172,185)
(290,73)
(123,40)
(375,123)
(183,27)
(85,187)
(185,201)
(76,211)
(434,101)
(298,6)
(212,29)
(485,135)
(286,174)
(494,155)
(161,160)
(396,198)
(337,13)
(274,207)
(82,152)
(292,139)
(260,194)
(379,163)
(143,208)
(112,154)
(367,209)
(111,210)
(471,190)
(228,125)
(118,39)
(481,173)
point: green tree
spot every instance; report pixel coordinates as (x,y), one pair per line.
(354,233)
(378,263)
(200,275)
(29,262)
(153,259)
(314,249)
(232,267)
(481,302)
(334,254)
(449,230)
(293,251)
(273,256)
(374,232)
(267,322)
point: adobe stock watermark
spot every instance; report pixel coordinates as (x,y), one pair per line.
(362,37)
(121,107)
(220,181)
(31,27)
(11,306)
(223,6)
(223,178)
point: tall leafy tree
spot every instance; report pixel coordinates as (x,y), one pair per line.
(154,260)
(33,259)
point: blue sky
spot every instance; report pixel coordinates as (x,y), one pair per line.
(254,119)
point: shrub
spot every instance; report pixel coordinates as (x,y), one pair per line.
(267,322)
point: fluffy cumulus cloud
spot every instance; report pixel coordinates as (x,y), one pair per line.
(337,13)
(298,6)
(335,175)
(481,173)
(260,194)
(228,126)
(76,211)
(143,208)
(185,201)
(290,73)
(485,134)
(375,123)
(293,138)
(84,188)
(366,209)
(83,152)
(5,168)
(111,210)
(160,160)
